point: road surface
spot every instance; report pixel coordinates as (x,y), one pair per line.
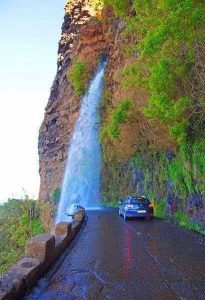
(134,259)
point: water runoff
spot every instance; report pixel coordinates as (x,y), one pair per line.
(81,184)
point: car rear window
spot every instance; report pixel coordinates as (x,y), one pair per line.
(142,200)
(136,200)
(133,201)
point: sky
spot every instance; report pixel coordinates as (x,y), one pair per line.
(29,35)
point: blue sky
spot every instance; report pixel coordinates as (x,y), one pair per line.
(29,35)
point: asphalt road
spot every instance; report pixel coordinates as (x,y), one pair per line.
(134,259)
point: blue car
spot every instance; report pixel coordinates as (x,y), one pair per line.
(136,207)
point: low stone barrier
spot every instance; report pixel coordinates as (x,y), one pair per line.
(41,252)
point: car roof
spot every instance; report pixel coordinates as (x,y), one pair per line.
(130,198)
(136,197)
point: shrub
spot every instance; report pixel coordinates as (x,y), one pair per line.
(160,208)
(77,75)
(19,221)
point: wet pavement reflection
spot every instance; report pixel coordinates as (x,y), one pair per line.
(134,259)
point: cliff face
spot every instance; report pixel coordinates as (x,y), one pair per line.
(82,34)
(140,156)
(141,153)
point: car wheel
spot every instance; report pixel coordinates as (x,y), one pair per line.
(124,215)
(150,218)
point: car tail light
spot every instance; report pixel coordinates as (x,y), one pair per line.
(151,205)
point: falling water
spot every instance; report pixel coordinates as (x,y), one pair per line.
(82,176)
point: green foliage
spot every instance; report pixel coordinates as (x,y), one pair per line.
(77,76)
(181,218)
(133,75)
(121,7)
(160,208)
(185,170)
(198,157)
(164,35)
(154,167)
(118,116)
(19,221)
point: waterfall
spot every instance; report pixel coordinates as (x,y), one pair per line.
(81,184)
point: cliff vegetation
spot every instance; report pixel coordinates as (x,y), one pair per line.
(155,145)
(19,221)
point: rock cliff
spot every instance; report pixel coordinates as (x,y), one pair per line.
(82,37)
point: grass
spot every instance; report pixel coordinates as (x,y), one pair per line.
(181,218)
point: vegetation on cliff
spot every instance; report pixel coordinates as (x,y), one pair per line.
(19,221)
(164,56)
(165,36)
(117,116)
(77,75)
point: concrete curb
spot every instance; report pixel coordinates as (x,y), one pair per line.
(40,254)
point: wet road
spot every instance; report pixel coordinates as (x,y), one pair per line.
(134,259)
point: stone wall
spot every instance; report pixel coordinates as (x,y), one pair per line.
(40,254)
